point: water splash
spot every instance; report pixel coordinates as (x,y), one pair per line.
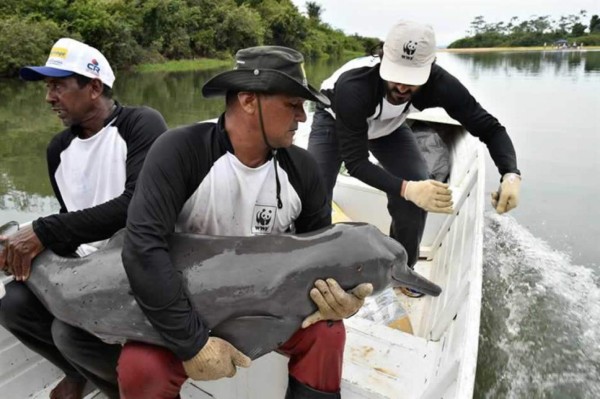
(540,326)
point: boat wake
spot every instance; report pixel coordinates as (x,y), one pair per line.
(540,321)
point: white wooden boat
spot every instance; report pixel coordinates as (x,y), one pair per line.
(438,360)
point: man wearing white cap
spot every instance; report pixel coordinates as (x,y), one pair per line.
(93,166)
(370,100)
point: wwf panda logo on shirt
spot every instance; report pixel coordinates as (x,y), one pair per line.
(264,217)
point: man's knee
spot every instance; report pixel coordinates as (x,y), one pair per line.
(316,355)
(148,371)
(327,335)
(65,337)
(16,305)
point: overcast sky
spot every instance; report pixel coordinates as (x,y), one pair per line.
(450,18)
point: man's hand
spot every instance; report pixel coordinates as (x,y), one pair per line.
(430,195)
(334,303)
(507,196)
(19,250)
(217,359)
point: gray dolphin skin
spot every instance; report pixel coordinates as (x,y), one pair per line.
(251,291)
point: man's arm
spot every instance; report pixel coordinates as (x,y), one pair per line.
(169,176)
(446,91)
(352,131)
(306,179)
(351,113)
(64,232)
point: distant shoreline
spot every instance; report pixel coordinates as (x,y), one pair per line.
(498,49)
(203,64)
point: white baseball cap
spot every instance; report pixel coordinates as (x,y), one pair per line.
(70,56)
(408,53)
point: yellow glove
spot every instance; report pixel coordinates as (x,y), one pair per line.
(507,196)
(217,359)
(334,303)
(430,195)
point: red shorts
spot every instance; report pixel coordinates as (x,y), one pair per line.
(316,354)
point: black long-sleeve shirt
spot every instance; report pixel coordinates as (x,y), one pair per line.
(357,96)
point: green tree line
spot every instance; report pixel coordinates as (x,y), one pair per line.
(130,32)
(536,31)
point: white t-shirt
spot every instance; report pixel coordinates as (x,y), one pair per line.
(219,206)
(92,172)
(387,117)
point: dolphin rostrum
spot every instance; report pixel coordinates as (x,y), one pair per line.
(251,291)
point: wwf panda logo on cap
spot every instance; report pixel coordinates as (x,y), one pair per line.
(408,53)
(410,47)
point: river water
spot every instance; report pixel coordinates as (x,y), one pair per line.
(540,330)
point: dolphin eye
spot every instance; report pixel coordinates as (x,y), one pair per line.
(359,268)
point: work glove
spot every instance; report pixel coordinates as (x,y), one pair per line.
(430,195)
(507,196)
(217,359)
(334,303)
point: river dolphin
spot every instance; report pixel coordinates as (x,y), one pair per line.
(251,291)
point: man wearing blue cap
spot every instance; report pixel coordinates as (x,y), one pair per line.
(238,176)
(93,166)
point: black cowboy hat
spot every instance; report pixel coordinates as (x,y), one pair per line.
(265,69)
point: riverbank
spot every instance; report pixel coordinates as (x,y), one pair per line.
(504,49)
(207,64)
(203,64)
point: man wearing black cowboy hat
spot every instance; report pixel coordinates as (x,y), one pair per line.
(238,176)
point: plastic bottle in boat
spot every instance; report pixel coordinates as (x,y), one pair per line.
(385,308)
